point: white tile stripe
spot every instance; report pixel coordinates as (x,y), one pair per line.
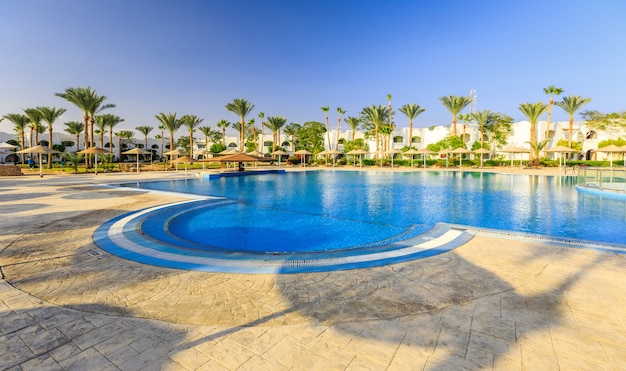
(116,235)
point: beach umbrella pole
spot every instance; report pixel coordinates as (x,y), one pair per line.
(40,167)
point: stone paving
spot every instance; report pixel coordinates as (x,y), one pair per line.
(490,304)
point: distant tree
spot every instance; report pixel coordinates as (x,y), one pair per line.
(483,118)
(571,105)
(241,108)
(126,135)
(191,122)
(49,115)
(532,111)
(34,123)
(292,130)
(609,122)
(551,91)
(217,148)
(223,124)
(354,123)
(450,142)
(145,131)
(73,159)
(275,123)
(74,128)
(20,122)
(411,111)
(339,113)
(325,109)
(311,136)
(500,129)
(111,121)
(356,144)
(262,117)
(373,118)
(455,104)
(171,123)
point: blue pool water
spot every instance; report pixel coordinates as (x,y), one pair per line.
(330,210)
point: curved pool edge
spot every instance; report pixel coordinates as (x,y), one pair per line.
(122,236)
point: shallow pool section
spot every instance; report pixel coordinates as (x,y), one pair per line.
(145,237)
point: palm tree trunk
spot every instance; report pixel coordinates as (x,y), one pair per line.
(454,125)
(410,134)
(571,130)
(338,131)
(328,133)
(22,142)
(50,146)
(549,115)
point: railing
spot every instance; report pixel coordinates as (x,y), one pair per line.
(612,179)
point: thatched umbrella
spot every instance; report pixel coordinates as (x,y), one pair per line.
(40,150)
(561,150)
(334,153)
(94,151)
(481,152)
(303,153)
(137,151)
(359,152)
(461,151)
(610,150)
(185,160)
(512,150)
(392,152)
(424,152)
(279,153)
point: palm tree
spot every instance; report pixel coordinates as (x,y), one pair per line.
(123,134)
(339,113)
(145,130)
(162,128)
(206,130)
(112,122)
(411,111)
(354,123)
(551,91)
(483,119)
(49,115)
(275,123)
(377,116)
(34,122)
(572,104)
(292,130)
(241,108)
(20,122)
(532,113)
(455,104)
(191,122)
(325,109)
(262,147)
(223,124)
(100,129)
(74,128)
(536,147)
(172,124)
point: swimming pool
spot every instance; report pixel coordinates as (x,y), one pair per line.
(317,212)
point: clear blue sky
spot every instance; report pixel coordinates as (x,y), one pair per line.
(292,57)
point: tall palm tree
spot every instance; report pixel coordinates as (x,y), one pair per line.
(206,130)
(551,91)
(112,122)
(411,111)
(223,124)
(292,130)
(483,119)
(74,128)
(162,128)
(377,116)
(101,127)
(49,115)
(145,131)
(20,122)
(191,122)
(339,113)
(275,123)
(34,122)
(171,123)
(570,105)
(241,108)
(455,104)
(262,146)
(123,134)
(354,123)
(325,109)
(532,113)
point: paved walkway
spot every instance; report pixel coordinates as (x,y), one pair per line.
(492,303)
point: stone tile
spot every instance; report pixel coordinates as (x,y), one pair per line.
(40,340)
(190,359)
(13,351)
(89,359)
(229,354)
(41,363)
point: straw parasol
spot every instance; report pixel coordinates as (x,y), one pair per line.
(461,151)
(185,160)
(303,153)
(40,150)
(481,152)
(610,150)
(137,151)
(279,153)
(512,150)
(359,152)
(255,153)
(424,152)
(334,152)
(561,150)
(392,152)
(94,151)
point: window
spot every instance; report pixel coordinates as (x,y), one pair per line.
(398,139)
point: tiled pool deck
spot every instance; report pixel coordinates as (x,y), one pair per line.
(490,303)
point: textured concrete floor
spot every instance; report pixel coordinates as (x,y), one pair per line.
(492,303)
